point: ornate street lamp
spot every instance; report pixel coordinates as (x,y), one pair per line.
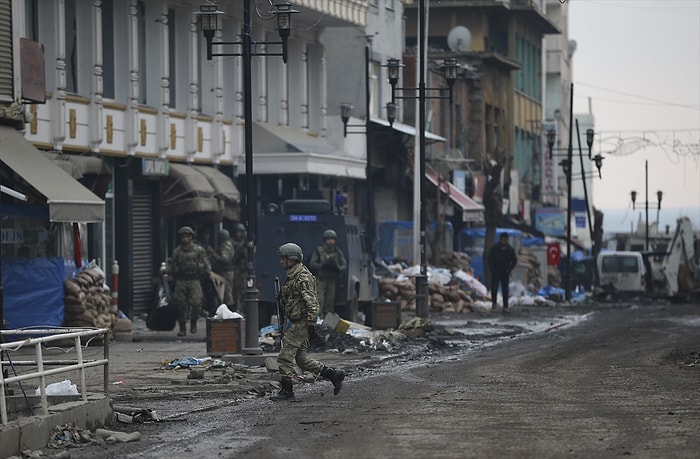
(450,67)
(208,21)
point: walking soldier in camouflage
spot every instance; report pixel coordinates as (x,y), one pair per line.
(188,265)
(328,264)
(300,304)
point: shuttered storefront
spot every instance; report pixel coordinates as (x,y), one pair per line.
(142,208)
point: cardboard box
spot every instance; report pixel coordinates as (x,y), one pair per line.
(338,325)
(386,314)
(225,336)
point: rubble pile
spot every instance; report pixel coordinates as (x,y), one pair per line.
(88,302)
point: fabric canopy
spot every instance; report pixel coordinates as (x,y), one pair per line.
(224,189)
(471,210)
(68,200)
(189,192)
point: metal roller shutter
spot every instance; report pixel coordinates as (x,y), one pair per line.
(143,248)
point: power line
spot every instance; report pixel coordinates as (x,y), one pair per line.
(649,99)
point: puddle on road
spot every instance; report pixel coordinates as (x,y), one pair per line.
(478,331)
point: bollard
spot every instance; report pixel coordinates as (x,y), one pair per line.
(115,286)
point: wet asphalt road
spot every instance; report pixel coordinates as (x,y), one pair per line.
(590,381)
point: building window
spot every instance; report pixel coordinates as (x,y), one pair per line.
(71,38)
(172,56)
(108,49)
(31,25)
(374,106)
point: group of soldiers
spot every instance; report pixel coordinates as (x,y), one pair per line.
(191,267)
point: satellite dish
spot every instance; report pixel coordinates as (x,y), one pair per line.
(459,39)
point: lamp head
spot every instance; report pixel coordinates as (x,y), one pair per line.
(598,164)
(284,18)
(208,18)
(633,195)
(590,133)
(659,196)
(450,65)
(345,112)
(391,112)
(393,65)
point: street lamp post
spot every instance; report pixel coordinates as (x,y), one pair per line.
(659,197)
(567,165)
(450,66)
(208,15)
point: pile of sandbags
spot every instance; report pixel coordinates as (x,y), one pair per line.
(402,289)
(88,302)
(531,264)
(448,298)
(454,261)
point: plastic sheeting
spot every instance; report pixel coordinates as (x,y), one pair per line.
(33,291)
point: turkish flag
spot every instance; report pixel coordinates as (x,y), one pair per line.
(553,254)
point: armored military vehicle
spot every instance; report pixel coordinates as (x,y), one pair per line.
(303,222)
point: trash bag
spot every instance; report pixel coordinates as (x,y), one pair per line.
(163,315)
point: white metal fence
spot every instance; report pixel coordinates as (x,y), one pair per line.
(37,338)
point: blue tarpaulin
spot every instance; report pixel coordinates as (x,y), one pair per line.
(33,291)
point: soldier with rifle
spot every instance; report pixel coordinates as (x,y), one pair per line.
(299,305)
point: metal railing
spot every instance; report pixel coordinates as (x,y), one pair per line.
(63,365)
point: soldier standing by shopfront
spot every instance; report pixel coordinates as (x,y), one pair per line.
(223,266)
(240,264)
(188,265)
(300,307)
(328,264)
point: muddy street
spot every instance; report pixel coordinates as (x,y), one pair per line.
(622,382)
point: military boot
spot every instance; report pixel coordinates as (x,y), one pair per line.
(193,326)
(334,376)
(286,392)
(183,328)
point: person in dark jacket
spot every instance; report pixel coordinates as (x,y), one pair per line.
(502,260)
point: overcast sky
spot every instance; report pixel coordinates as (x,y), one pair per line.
(639,63)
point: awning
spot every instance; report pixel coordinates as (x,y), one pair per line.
(188,191)
(68,200)
(471,210)
(89,170)
(224,189)
(408,130)
(283,150)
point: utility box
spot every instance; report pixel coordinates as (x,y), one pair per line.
(225,336)
(385,314)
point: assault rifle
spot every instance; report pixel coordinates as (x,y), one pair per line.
(280,309)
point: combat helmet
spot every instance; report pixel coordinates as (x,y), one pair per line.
(185,230)
(238,227)
(329,233)
(291,251)
(223,234)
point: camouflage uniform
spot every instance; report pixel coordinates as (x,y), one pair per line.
(240,270)
(300,307)
(224,266)
(329,264)
(188,265)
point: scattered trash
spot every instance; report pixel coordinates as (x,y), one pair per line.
(187,362)
(135,415)
(118,383)
(111,437)
(64,387)
(223,312)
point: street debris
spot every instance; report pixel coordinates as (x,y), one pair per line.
(128,415)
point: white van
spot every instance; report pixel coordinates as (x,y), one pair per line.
(622,272)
